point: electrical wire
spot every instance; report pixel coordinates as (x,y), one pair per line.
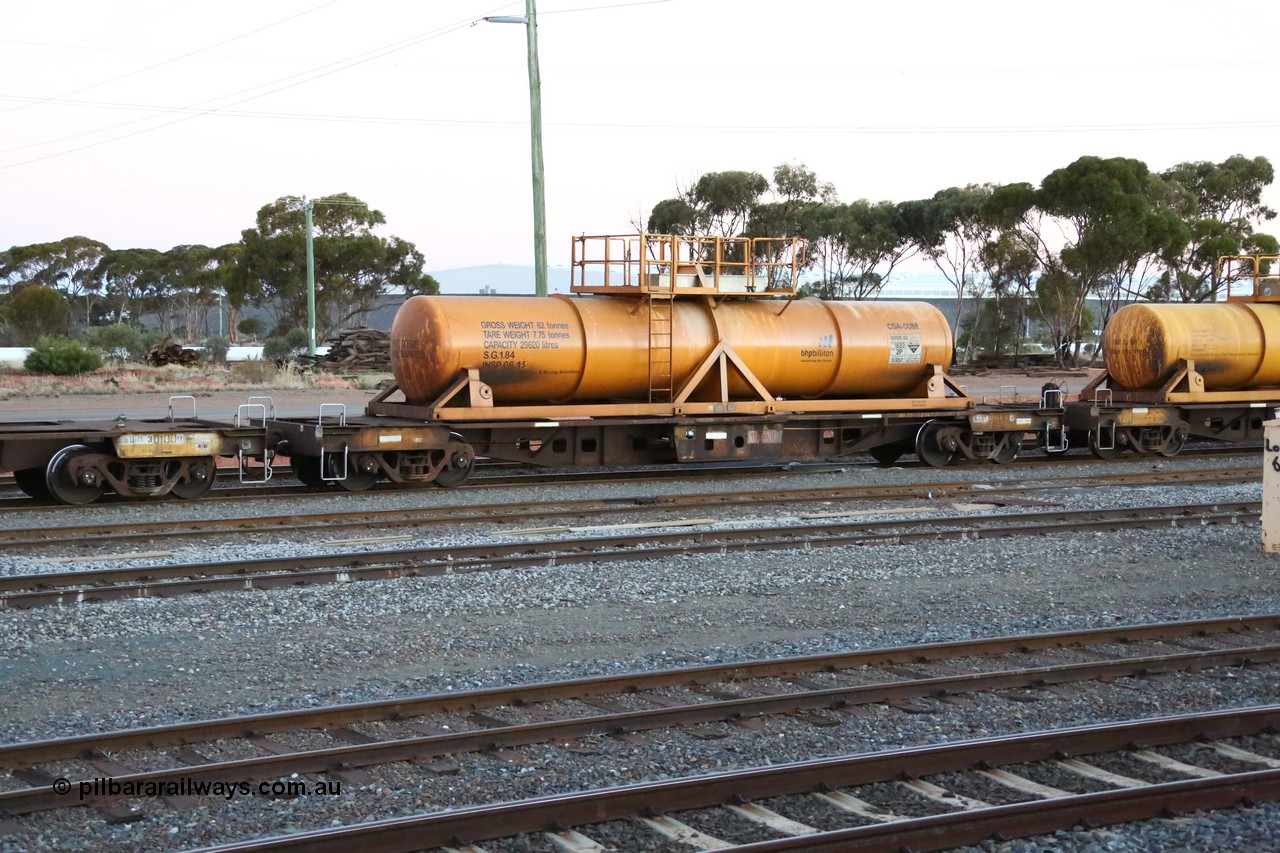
(169,61)
(314,74)
(410,121)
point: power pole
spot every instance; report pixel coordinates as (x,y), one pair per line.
(307,207)
(535,131)
(530,21)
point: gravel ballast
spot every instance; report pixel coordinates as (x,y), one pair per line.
(86,668)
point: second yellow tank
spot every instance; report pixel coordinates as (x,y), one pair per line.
(1234,345)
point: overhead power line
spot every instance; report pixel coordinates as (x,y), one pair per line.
(354,118)
(195,110)
(169,61)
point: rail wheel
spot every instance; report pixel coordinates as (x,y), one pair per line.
(32,482)
(1101,452)
(306,470)
(362,473)
(931,445)
(887,454)
(59,480)
(1007,448)
(200,477)
(1172,447)
(462,461)
(358,481)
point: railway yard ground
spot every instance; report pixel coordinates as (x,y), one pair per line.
(85,668)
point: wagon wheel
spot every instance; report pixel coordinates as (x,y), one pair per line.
(929,447)
(306,470)
(356,480)
(1007,448)
(62,487)
(200,476)
(1101,453)
(31,481)
(1174,445)
(462,461)
(887,454)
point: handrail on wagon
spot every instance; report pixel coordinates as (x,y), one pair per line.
(1262,272)
(687,265)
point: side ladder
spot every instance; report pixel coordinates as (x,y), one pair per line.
(661,318)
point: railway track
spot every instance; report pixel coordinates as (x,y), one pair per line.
(428,729)
(756,801)
(488,476)
(559,512)
(502,475)
(56,588)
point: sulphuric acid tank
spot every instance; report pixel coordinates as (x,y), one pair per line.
(561,349)
(1234,345)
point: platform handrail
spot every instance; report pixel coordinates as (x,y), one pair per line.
(175,397)
(687,264)
(1052,398)
(1261,271)
(269,405)
(342,413)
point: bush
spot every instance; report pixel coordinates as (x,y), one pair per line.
(255,371)
(250,326)
(118,341)
(276,350)
(61,357)
(283,348)
(297,338)
(215,349)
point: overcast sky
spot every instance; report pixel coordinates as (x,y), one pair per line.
(153,124)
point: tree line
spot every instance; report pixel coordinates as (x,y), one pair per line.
(78,283)
(1104,230)
(1109,230)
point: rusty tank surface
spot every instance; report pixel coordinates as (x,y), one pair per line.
(1235,345)
(601,348)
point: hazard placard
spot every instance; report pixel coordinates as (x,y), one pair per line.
(906,349)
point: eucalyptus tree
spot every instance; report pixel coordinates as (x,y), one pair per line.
(184,287)
(1010,268)
(237,288)
(124,277)
(353,266)
(1111,223)
(798,198)
(66,265)
(950,230)
(1221,206)
(1091,225)
(855,247)
(718,204)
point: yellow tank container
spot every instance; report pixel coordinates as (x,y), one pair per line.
(1234,345)
(597,348)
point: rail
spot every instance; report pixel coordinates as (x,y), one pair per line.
(700,702)
(164,580)
(1042,810)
